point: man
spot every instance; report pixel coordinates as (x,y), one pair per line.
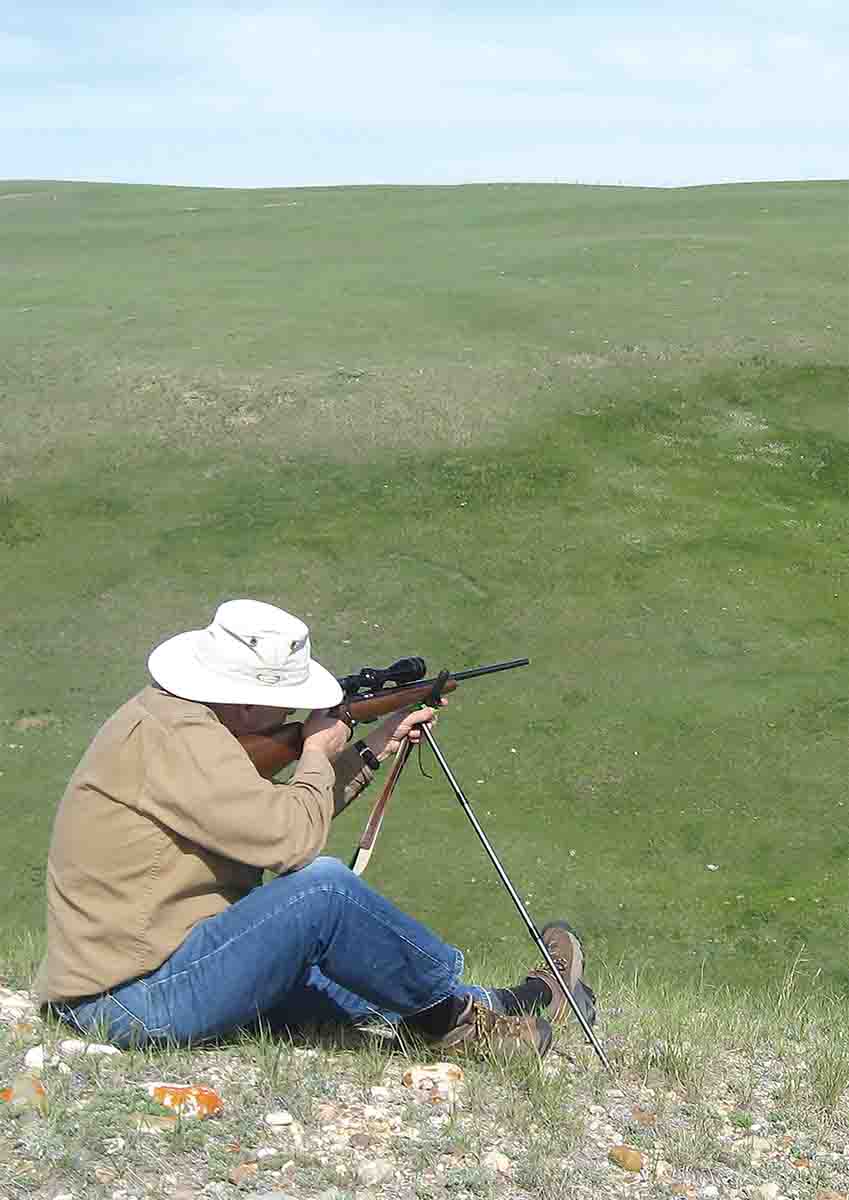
(159,927)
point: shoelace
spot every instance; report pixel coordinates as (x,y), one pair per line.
(487,1022)
(563,966)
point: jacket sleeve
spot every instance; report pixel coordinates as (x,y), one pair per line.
(352,775)
(199,782)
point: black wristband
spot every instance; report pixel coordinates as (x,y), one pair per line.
(367,755)
(343,712)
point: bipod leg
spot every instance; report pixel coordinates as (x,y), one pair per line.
(516,898)
(366,844)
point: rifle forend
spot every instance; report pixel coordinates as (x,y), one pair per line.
(271,752)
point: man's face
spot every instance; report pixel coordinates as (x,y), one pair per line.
(259,718)
(242,719)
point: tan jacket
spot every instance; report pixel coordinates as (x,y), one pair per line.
(166,822)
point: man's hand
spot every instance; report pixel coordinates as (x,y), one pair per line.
(326,734)
(406,723)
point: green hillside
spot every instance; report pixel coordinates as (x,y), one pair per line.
(605,428)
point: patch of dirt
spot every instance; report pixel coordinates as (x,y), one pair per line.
(740,418)
(40,721)
(592,362)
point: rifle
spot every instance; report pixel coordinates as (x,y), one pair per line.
(369,694)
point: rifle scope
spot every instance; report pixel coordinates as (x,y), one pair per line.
(368,679)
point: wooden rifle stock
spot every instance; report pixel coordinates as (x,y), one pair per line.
(271,752)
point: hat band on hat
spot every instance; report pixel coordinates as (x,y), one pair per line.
(273,678)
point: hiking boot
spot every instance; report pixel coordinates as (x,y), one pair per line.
(478,1028)
(564,946)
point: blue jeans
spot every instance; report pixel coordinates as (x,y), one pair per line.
(313,947)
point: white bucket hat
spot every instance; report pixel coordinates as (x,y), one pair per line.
(252,653)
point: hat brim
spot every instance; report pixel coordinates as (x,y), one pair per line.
(175,667)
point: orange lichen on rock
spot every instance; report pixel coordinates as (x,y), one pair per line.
(27,1092)
(186,1099)
(426,1077)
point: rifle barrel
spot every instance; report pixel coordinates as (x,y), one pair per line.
(503,666)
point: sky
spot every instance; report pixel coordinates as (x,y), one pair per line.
(342,92)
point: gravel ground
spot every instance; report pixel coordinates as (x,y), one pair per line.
(761,1114)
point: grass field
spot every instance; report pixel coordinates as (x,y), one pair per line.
(604,428)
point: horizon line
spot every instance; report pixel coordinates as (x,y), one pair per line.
(505,183)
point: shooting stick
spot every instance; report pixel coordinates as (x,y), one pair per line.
(514,896)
